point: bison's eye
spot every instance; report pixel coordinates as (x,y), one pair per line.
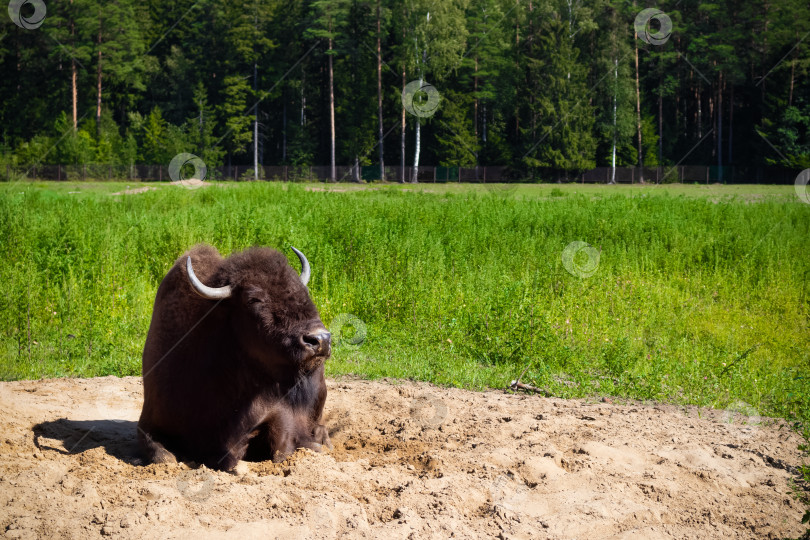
(254,300)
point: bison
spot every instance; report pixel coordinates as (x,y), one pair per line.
(233,365)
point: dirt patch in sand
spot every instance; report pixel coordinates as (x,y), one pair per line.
(410,461)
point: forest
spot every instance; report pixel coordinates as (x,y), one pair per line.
(565,84)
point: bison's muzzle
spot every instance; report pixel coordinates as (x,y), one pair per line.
(320,343)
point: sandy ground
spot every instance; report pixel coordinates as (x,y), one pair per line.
(410,461)
(134,191)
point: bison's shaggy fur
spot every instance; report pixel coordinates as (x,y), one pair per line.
(222,377)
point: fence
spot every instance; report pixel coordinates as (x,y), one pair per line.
(481,174)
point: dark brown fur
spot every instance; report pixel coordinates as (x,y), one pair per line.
(224,377)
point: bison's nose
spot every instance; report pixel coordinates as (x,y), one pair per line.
(319,342)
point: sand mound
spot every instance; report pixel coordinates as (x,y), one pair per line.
(190,183)
(134,191)
(410,461)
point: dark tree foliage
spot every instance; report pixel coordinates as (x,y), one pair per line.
(524,83)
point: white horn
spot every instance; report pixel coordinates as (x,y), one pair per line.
(305,271)
(211,293)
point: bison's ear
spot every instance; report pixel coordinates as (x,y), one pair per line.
(305,271)
(211,293)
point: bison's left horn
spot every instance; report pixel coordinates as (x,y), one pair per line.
(305,271)
(211,293)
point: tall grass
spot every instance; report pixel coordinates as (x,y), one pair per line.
(695,300)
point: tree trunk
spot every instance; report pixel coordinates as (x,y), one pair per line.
(332,171)
(678,99)
(284,125)
(613,151)
(638,117)
(98,92)
(699,113)
(475,103)
(660,117)
(731,126)
(303,97)
(792,73)
(713,121)
(255,130)
(74,92)
(379,96)
(764,61)
(415,174)
(402,135)
(484,122)
(720,127)
(517,70)
(402,138)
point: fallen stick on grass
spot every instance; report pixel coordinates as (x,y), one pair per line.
(517,385)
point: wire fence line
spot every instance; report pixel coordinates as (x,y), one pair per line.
(482,174)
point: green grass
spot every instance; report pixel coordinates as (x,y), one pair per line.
(701,294)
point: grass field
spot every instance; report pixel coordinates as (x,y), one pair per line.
(701,294)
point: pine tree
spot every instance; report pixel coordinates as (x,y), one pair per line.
(328,20)
(557,103)
(485,69)
(438,33)
(355,105)
(614,88)
(119,48)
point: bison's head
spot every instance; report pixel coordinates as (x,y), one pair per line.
(271,313)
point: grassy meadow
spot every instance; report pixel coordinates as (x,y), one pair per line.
(701,294)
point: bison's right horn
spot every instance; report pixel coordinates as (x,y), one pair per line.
(211,293)
(305,271)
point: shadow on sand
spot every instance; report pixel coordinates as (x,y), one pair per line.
(117,437)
